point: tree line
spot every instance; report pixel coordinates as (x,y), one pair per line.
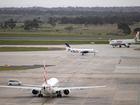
(34,24)
(27,25)
(129,19)
(122,16)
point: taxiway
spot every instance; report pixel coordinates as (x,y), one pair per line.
(117,68)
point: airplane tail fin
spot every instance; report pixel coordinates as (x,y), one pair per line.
(67,45)
(45,74)
(137,36)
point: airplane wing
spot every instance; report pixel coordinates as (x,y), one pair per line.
(55,88)
(77,88)
(22,87)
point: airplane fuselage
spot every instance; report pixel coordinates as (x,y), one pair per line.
(82,51)
(47,88)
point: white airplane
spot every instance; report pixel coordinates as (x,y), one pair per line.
(124,42)
(50,88)
(82,51)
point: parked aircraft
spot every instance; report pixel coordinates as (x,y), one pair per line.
(50,88)
(124,42)
(82,50)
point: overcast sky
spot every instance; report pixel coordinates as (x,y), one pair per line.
(66,3)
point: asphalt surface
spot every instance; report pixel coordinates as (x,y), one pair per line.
(117,68)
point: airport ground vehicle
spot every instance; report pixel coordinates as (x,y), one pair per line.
(14,83)
(124,42)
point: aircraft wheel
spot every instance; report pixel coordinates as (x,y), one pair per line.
(40,95)
(59,94)
(114,46)
(128,46)
(120,46)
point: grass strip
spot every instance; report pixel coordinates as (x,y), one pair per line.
(34,34)
(10,49)
(21,67)
(54,42)
(2,68)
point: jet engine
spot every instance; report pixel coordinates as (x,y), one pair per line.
(35,92)
(66,91)
(84,52)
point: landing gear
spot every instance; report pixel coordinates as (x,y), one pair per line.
(113,46)
(82,53)
(128,46)
(40,94)
(59,94)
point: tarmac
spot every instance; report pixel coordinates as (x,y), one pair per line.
(117,68)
